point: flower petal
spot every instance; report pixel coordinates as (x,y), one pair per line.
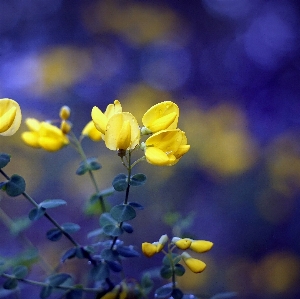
(99,119)
(201,246)
(148,249)
(91,131)
(156,156)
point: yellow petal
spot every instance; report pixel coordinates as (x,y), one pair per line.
(151,118)
(124,138)
(112,109)
(33,124)
(201,246)
(31,139)
(99,119)
(148,249)
(10,117)
(195,265)
(91,131)
(156,156)
(183,243)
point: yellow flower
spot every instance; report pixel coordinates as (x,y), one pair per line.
(201,245)
(149,249)
(10,117)
(44,135)
(122,132)
(193,264)
(64,112)
(118,292)
(182,243)
(166,147)
(100,119)
(161,116)
(91,131)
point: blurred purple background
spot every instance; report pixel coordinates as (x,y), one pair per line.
(232,66)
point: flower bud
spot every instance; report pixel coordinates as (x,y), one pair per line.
(65,126)
(201,246)
(149,249)
(182,243)
(64,112)
(193,264)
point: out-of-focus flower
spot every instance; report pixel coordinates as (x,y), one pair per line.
(65,126)
(10,117)
(100,119)
(201,246)
(118,292)
(90,131)
(122,132)
(166,147)
(182,243)
(161,116)
(193,264)
(44,135)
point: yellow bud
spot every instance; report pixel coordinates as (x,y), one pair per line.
(201,246)
(149,249)
(64,112)
(91,131)
(183,243)
(65,126)
(193,264)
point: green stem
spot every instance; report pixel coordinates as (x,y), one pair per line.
(172,266)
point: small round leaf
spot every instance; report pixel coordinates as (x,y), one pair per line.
(179,270)
(52,203)
(123,212)
(4,159)
(138,179)
(120,182)
(10,284)
(166,272)
(112,230)
(127,227)
(36,213)
(54,234)
(20,271)
(15,186)
(58,279)
(70,227)
(163,292)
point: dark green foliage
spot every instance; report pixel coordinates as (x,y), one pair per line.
(123,212)
(36,213)
(70,227)
(112,230)
(52,203)
(69,254)
(15,186)
(166,272)
(58,279)
(74,294)
(120,182)
(10,284)
(54,234)
(138,179)
(147,283)
(136,205)
(114,266)
(164,291)
(127,227)
(109,254)
(177,294)
(4,159)
(89,165)
(179,270)
(127,251)
(100,272)
(46,292)
(20,271)
(174,257)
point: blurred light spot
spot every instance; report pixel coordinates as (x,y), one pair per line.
(283,160)
(271,35)
(165,66)
(278,272)
(62,67)
(230,8)
(220,139)
(139,23)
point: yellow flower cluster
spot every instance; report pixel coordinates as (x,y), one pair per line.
(199,246)
(120,131)
(10,117)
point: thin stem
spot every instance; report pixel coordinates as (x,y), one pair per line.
(81,152)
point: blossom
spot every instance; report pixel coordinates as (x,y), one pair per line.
(149,249)
(100,119)
(10,117)
(193,264)
(182,243)
(64,112)
(161,116)
(122,132)
(166,147)
(44,135)
(91,131)
(201,245)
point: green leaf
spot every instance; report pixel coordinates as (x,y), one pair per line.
(46,292)
(52,203)
(166,272)
(224,295)
(2,185)
(10,284)
(179,270)
(106,219)
(164,291)
(4,159)
(69,254)
(136,205)
(87,165)
(54,234)
(127,227)
(95,233)
(112,230)
(123,212)
(36,213)
(70,227)
(147,283)
(177,294)
(127,251)
(58,279)
(15,186)
(109,254)
(114,266)
(138,179)
(175,259)
(100,272)
(20,271)
(120,182)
